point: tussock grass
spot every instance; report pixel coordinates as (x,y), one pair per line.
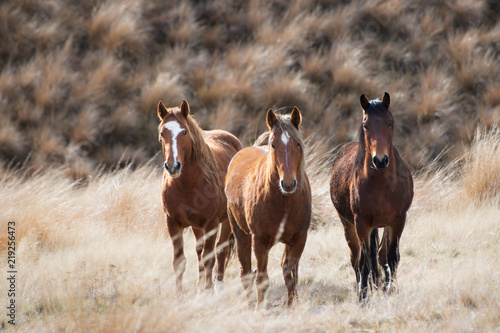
(96,257)
(60,60)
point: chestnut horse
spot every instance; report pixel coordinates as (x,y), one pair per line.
(269,201)
(193,189)
(371,187)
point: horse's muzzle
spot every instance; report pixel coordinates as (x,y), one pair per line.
(288,189)
(380,164)
(175,170)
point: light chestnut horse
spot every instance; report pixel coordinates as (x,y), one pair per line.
(269,201)
(371,187)
(196,162)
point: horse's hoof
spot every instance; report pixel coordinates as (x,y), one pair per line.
(218,287)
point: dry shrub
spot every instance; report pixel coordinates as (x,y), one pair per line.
(167,88)
(286,90)
(118,28)
(436,95)
(481,168)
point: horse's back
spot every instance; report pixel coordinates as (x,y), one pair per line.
(224,145)
(341,177)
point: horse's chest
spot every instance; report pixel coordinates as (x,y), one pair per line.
(379,204)
(192,207)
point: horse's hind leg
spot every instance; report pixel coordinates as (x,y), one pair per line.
(374,245)
(290,266)
(208,251)
(199,234)
(384,247)
(222,252)
(244,252)
(179,260)
(390,250)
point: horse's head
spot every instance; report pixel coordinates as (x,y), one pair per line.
(285,146)
(175,137)
(378,129)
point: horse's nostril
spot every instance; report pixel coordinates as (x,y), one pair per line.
(166,165)
(385,160)
(178,165)
(294,183)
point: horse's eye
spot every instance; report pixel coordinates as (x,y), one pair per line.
(365,127)
(391,125)
(272,146)
(185,133)
(298,144)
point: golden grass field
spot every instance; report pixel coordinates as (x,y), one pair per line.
(80,163)
(97,258)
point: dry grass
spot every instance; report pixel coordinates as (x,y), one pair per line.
(79,85)
(97,258)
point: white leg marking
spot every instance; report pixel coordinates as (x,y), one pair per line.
(175,129)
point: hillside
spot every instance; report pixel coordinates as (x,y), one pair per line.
(80,80)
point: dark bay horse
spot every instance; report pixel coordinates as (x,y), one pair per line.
(371,187)
(269,201)
(196,163)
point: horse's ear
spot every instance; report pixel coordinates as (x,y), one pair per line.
(365,104)
(162,110)
(386,100)
(296,117)
(271,119)
(185,108)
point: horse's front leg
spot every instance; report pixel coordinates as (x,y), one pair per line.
(365,260)
(261,251)
(179,260)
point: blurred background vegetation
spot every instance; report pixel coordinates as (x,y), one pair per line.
(80,80)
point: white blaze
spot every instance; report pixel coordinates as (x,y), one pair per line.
(175,129)
(284,138)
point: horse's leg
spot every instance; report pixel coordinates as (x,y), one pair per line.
(351,237)
(374,245)
(222,252)
(261,252)
(208,254)
(393,252)
(244,252)
(364,233)
(199,234)
(290,266)
(384,247)
(179,260)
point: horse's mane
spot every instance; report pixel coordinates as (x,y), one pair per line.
(202,154)
(376,108)
(284,123)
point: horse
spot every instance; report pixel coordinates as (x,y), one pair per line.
(371,187)
(269,201)
(192,193)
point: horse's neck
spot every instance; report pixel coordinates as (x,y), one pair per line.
(191,175)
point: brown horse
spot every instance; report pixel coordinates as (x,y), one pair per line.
(196,163)
(269,201)
(371,187)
